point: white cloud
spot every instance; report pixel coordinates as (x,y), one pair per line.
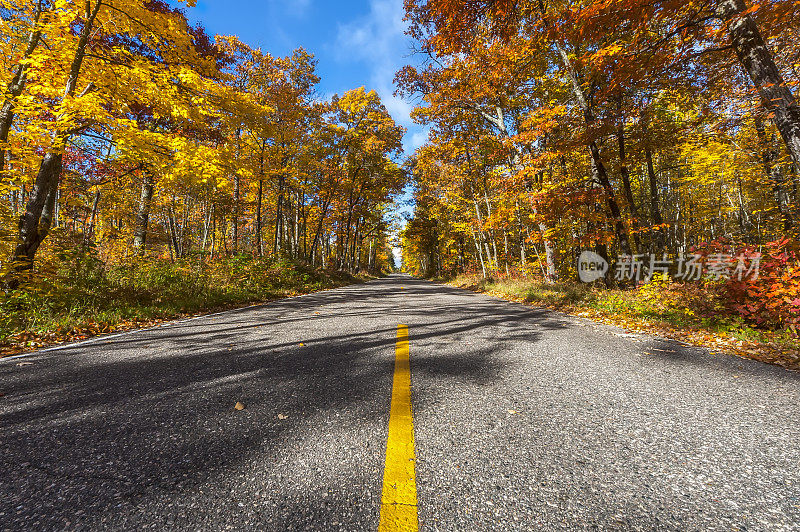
(418,138)
(378,36)
(397,107)
(378,40)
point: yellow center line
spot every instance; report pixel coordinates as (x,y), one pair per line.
(399,497)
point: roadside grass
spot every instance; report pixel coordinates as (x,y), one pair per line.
(78,296)
(686,312)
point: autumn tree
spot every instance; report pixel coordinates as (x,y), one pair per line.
(620,126)
(137,137)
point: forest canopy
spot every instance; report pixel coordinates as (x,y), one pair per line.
(126,131)
(644,132)
(659,137)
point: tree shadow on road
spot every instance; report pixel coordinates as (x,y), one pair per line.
(148,417)
(659,352)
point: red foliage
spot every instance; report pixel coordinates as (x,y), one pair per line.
(772,300)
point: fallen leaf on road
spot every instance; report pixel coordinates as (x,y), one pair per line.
(513,412)
(21,364)
(239,406)
(281,416)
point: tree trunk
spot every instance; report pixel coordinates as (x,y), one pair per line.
(505,252)
(296,227)
(186,242)
(492,234)
(480,253)
(235,220)
(601,176)
(259,241)
(759,64)
(655,211)
(173,232)
(88,235)
(143,214)
(521,238)
(343,256)
(318,234)
(324,250)
(279,215)
(598,168)
(549,254)
(305,224)
(207,222)
(213,231)
(354,247)
(772,170)
(236,197)
(626,182)
(34,225)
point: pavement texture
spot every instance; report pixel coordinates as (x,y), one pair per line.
(524,419)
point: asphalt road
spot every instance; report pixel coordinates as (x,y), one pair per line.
(524,419)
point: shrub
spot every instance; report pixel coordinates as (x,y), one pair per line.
(772,300)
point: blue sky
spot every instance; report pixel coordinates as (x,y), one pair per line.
(357,42)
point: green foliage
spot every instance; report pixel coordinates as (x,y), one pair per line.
(78,294)
(713,307)
(533,290)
